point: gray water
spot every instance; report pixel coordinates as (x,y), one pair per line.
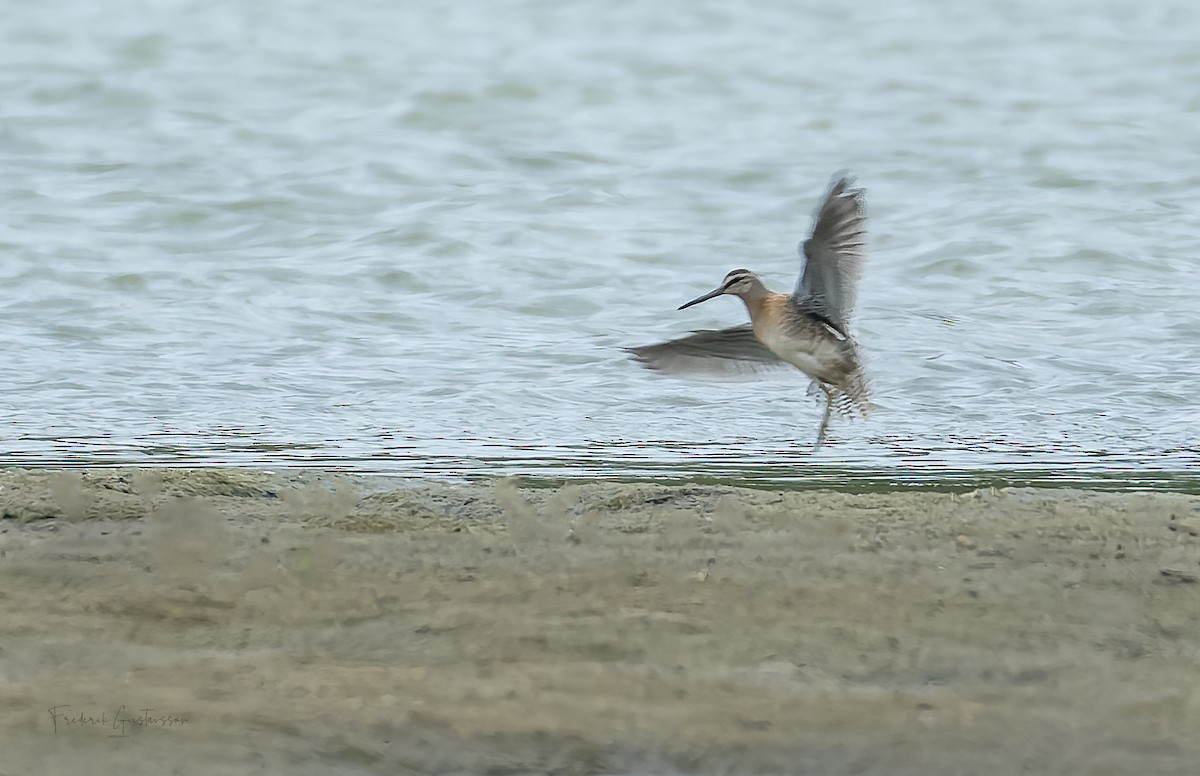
(412,237)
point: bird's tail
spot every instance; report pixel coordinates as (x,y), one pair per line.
(852,396)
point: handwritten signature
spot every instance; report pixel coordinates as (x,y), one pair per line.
(121,721)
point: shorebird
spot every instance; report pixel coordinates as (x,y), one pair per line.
(807,329)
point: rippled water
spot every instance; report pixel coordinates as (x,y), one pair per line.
(412,237)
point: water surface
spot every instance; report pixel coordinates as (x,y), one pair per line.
(412,238)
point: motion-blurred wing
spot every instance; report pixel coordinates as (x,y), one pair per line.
(834,253)
(734,352)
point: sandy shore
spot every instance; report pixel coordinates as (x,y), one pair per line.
(308,623)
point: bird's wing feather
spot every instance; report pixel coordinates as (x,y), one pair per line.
(729,353)
(834,253)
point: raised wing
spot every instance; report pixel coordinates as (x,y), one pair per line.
(834,253)
(727,353)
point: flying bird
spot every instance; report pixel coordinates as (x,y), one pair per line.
(808,329)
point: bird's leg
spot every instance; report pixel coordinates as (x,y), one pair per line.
(825,419)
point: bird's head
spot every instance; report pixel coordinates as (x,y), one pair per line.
(739,282)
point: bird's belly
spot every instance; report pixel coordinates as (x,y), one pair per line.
(810,364)
(815,358)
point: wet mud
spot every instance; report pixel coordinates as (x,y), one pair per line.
(229,621)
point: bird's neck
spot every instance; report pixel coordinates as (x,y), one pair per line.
(756,301)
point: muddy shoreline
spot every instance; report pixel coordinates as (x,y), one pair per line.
(311,623)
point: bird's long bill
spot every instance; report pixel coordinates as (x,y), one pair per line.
(705,298)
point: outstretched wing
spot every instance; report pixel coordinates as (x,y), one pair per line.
(733,352)
(834,253)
